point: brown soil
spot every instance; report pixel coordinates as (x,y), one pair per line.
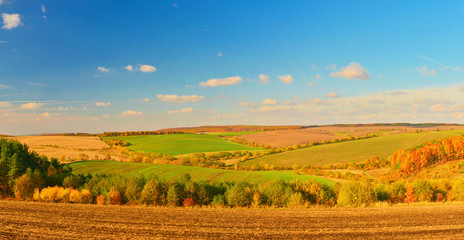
(68,146)
(318,134)
(31,220)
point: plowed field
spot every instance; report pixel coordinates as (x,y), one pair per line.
(30,220)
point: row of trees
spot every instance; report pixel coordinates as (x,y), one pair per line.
(407,161)
(110,189)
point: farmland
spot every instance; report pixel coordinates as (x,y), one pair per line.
(179,144)
(68,147)
(352,151)
(64,221)
(281,138)
(197,173)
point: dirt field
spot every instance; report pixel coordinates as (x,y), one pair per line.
(21,220)
(318,134)
(68,146)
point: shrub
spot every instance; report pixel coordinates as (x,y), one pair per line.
(87,196)
(296,200)
(100,200)
(354,194)
(36,196)
(64,195)
(237,196)
(114,197)
(24,187)
(75,196)
(423,190)
(397,192)
(173,196)
(219,200)
(188,202)
(51,194)
(153,193)
(381,193)
(72,182)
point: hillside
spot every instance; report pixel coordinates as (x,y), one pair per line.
(352,151)
(197,173)
(179,144)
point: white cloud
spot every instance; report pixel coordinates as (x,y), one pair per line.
(180,99)
(46,114)
(425,72)
(103,69)
(102,104)
(3,41)
(214,82)
(353,71)
(1,2)
(43,9)
(269,102)
(185,110)
(5,105)
(243,104)
(4,86)
(146,100)
(332,95)
(220,54)
(147,68)
(287,79)
(129,68)
(130,113)
(31,106)
(11,21)
(264,78)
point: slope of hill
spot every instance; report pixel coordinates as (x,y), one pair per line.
(352,151)
(179,144)
(197,173)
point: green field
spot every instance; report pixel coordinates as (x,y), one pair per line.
(197,173)
(352,151)
(230,133)
(179,144)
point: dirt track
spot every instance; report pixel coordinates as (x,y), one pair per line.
(19,220)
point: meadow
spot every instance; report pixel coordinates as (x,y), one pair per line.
(168,172)
(351,151)
(180,144)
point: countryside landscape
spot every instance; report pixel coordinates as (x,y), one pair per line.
(231,120)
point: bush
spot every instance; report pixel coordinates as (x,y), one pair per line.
(237,196)
(296,200)
(75,196)
(173,196)
(51,194)
(114,197)
(397,192)
(423,190)
(24,187)
(64,195)
(356,195)
(188,202)
(87,196)
(100,200)
(36,196)
(72,182)
(153,193)
(219,200)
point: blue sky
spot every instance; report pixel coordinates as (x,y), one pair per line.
(64,65)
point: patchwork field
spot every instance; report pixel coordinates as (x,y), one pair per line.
(33,220)
(318,134)
(68,146)
(179,144)
(352,151)
(197,173)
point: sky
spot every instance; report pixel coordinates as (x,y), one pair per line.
(96,66)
